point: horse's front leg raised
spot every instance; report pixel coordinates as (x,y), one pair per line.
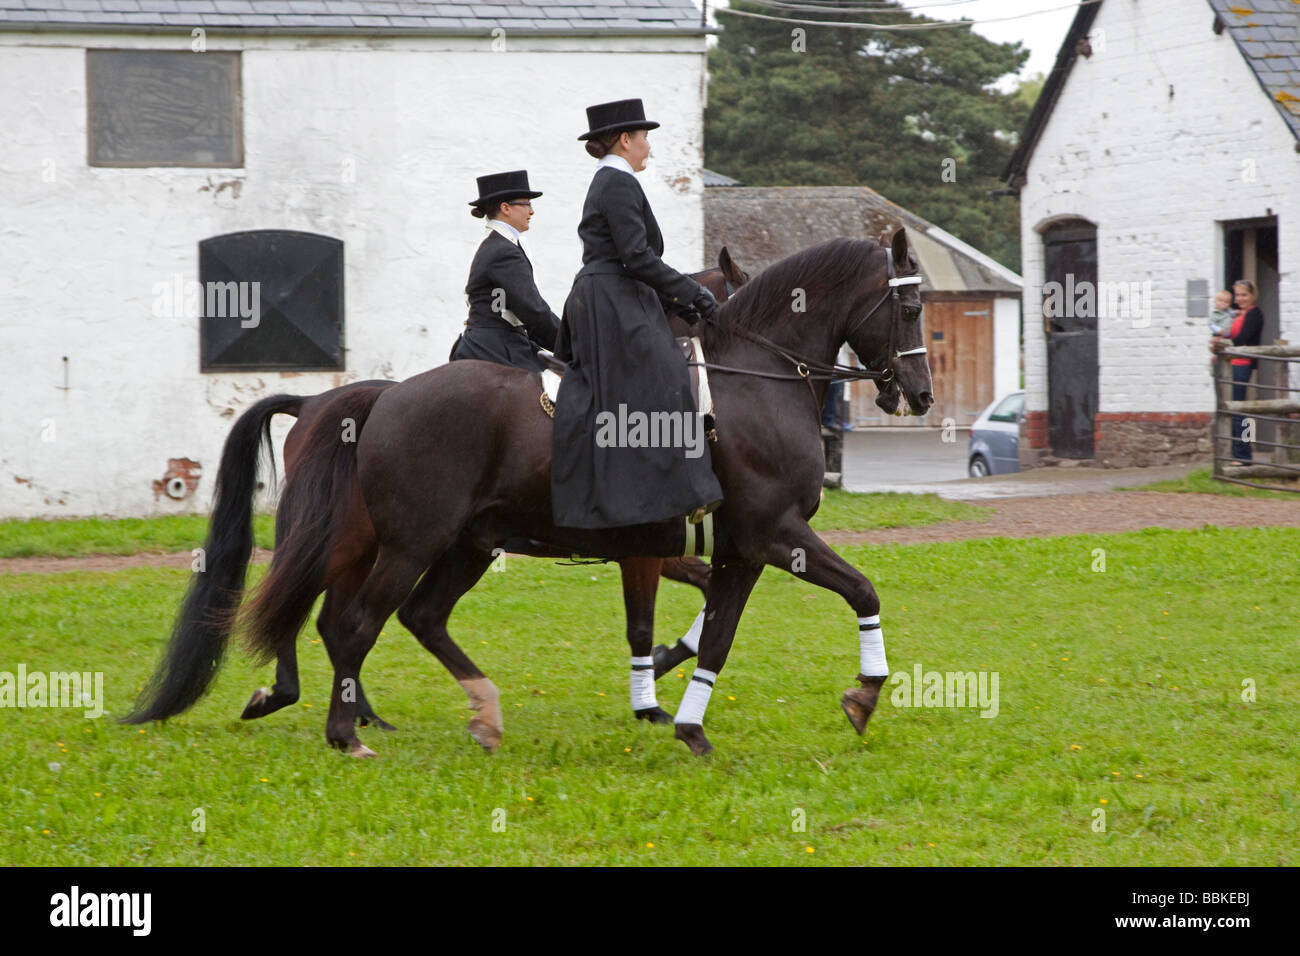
(640,585)
(800,551)
(729,588)
(695,572)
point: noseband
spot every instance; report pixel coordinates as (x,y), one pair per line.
(886,374)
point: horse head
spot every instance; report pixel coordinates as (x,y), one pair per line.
(891,337)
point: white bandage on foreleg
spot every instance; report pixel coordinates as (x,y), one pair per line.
(871,643)
(643,683)
(696,699)
(692,637)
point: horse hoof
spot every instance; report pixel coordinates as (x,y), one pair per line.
(253,709)
(485,734)
(656,715)
(358,749)
(859,703)
(666,658)
(693,736)
(375,720)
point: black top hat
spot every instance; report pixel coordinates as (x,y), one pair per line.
(616,117)
(498,187)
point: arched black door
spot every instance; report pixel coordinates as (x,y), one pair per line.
(1070,320)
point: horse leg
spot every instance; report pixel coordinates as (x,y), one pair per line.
(800,551)
(386,586)
(285,690)
(640,583)
(337,598)
(281,694)
(729,588)
(425,612)
(695,572)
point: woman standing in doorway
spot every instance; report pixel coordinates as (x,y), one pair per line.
(1246,329)
(624,364)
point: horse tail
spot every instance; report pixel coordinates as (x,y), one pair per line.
(198,638)
(313,508)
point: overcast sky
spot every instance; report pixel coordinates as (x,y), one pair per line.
(1040,32)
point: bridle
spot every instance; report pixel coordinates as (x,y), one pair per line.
(811,370)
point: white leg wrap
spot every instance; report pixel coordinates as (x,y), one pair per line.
(696,699)
(643,683)
(692,637)
(871,643)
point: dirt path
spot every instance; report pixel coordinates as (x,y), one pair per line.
(1098,513)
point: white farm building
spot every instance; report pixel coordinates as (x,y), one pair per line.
(324,148)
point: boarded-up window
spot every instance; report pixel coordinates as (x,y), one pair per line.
(271,299)
(163,108)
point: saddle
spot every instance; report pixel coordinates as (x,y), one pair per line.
(697,534)
(692,351)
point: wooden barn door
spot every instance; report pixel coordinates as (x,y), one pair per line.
(1070,254)
(959,335)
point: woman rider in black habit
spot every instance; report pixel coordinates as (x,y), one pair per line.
(508,318)
(616,339)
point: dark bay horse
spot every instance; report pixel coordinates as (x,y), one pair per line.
(640,575)
(441,497)
(207,614)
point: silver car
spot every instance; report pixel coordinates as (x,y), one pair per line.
(995,437)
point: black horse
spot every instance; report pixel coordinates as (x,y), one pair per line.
(441,497)
(208,612)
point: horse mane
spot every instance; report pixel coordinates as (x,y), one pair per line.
(764,302)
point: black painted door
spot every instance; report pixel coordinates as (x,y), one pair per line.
(1070,317)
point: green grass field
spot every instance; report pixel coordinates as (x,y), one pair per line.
(78,536)
(1119,691)
(1202,482)
(82,536)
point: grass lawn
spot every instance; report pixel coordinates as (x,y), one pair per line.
(1119,691)
(82,536)
(1202,481)
(75,536)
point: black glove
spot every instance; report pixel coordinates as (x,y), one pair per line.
(704,304)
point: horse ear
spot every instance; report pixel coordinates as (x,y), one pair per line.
(899,245)
(729,268)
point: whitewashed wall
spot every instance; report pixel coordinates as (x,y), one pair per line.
(1006,345)
(375,142)
(1157,174)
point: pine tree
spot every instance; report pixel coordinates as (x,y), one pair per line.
(794,105)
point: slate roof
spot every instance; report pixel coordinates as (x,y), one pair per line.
(717,179)
(1268,34)
(761,224)
(360,16)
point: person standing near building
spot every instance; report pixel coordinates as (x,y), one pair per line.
(1247,328)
